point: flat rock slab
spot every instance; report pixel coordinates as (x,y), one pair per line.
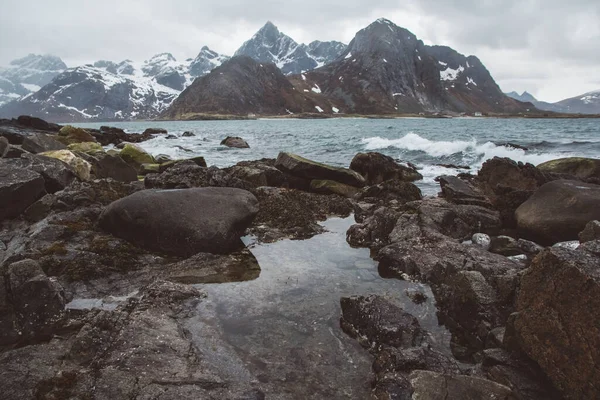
(305,168)
(182,222)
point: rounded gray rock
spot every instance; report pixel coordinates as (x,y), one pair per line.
(182,222)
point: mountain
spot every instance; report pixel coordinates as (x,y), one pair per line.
(113,91)
(27,75)
(269,45)
(587,103)
(526,97)
(387,69)
(240,86)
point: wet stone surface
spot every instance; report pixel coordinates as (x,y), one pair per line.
(283,328)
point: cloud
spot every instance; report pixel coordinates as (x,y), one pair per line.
(551,48)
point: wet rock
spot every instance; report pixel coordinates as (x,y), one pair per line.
(505,245)
(214,268)
(57,174)
(183,174)
(70,134)
(417,296)
(376,322)
(40,142)
(290,213)
(135,156)
(106,165)
(332,187)
(260,173)
(81,167)
(429,385)
(19,188)
(14,151)
(557,321)
(482,240)
(508,184)
(162,158)
(86,147)
(170,137)
(182,222)
(458,191)
(236,142)
(188,134)
(580,167)
(4,146)
(38,301)
(146,169)
(571,244)
(37,123)
(154,131)
(375,230)
(590,232)
(15,132)
(391,190)
(377,168)
(304,168)
(558,211)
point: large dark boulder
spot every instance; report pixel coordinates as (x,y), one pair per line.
(304,168)
(558,318)
(376,168)
(579,167)
(182,222)
(19,188)
(40,142)
(459,191)
(57,174)
(236,142)
(558,211)
(110,166)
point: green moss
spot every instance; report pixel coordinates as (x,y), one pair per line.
(70,134)
(86,147)
(56,248)
(135,156)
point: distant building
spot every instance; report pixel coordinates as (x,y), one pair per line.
(478,114)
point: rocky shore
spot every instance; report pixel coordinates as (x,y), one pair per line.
(511,254)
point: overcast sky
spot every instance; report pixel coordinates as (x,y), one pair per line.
(550,48)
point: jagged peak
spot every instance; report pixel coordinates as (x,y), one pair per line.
(161,57)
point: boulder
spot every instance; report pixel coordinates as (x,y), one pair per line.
(580,167)
(558,211)
(482,240)
(188,134)
(135,156)
(304,168)
(236,142)
(163,158)
(4,146)
(57,174)
(106,165)
(428,385)
(37,123)
(70,134)
(146,169)
(86,147)
(376,168)
(332,187)
(260,173)
(391,190)
(154,131)
(591,232)
(40,142)
(458,191)
(377,322)
(557,323)
(81,167)
(19,188)
(182,222)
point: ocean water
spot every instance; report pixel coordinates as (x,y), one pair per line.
(423,142)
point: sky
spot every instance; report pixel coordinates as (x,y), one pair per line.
(550,48)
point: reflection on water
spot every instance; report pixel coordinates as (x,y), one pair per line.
(282,329)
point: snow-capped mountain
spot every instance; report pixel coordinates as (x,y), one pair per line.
(27,75)
(387,69)
(206,61)
(587,103)
(269,45)
(114,91)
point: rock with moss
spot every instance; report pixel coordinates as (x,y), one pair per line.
(106,165)
(332,187)
(146,169)
(70,134)
(81,167)
(580,167)
(377,168)
(136,156)
(86,147)
(304,168)
(236,142)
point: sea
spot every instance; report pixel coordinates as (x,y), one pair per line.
(424,142)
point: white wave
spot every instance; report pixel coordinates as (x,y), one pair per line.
(473,154)
(414,142)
